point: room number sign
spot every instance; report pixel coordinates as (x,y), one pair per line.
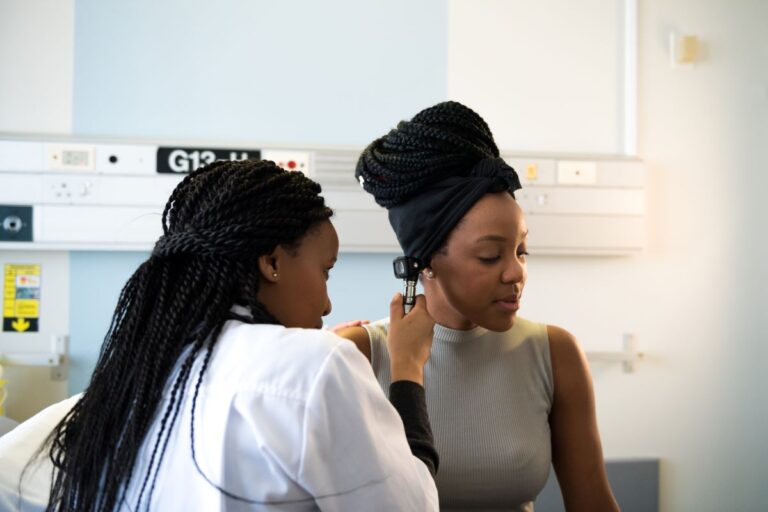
(185,160)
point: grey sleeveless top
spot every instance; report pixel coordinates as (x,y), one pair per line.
(488,395)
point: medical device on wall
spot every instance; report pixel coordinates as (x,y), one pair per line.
(74,194)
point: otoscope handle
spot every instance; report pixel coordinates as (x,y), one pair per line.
(407,268)
(410,296)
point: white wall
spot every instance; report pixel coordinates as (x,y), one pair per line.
(697,299)
(547,75)
(36,65)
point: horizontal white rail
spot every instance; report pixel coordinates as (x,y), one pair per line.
(31,359)
(56,358)
(627,357)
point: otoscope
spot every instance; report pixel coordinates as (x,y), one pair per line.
(407,269)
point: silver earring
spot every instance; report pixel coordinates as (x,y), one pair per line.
(274,274)
(430,274)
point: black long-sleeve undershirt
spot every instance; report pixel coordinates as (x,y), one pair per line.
(409,399)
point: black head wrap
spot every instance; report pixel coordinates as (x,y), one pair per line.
(428,172)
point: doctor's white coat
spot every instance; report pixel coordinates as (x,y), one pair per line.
(286,419)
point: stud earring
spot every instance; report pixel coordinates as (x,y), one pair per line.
(274,274)
(430,274)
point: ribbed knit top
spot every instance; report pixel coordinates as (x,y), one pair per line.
(489,395)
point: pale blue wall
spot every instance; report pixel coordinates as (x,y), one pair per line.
(289,72)
(96,279)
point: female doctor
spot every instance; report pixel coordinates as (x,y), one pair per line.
(215,388)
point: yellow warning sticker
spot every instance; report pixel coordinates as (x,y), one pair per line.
(21,298)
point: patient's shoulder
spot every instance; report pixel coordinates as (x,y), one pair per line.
(359,336)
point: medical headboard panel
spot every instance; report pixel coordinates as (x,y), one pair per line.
(75,194)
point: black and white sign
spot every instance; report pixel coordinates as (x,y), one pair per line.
(185,160)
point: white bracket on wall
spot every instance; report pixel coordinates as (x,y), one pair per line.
(56,359)
(627,357)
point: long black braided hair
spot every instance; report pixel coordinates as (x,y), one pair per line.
(443,140)
(216,224)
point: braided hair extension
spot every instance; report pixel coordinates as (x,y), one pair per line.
(443,140)
(216,224)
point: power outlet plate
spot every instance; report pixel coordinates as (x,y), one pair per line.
(69,189)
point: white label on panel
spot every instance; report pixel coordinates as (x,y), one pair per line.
(70,157)
(576,173)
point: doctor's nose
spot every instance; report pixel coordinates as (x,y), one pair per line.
(328,307)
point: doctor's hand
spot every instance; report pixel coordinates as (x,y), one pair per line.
(409,340)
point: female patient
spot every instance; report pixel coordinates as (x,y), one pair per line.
(214,389)
(506,396)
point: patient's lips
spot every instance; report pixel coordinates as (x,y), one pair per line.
(509,303)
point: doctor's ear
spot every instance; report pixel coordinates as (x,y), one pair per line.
(268,266)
